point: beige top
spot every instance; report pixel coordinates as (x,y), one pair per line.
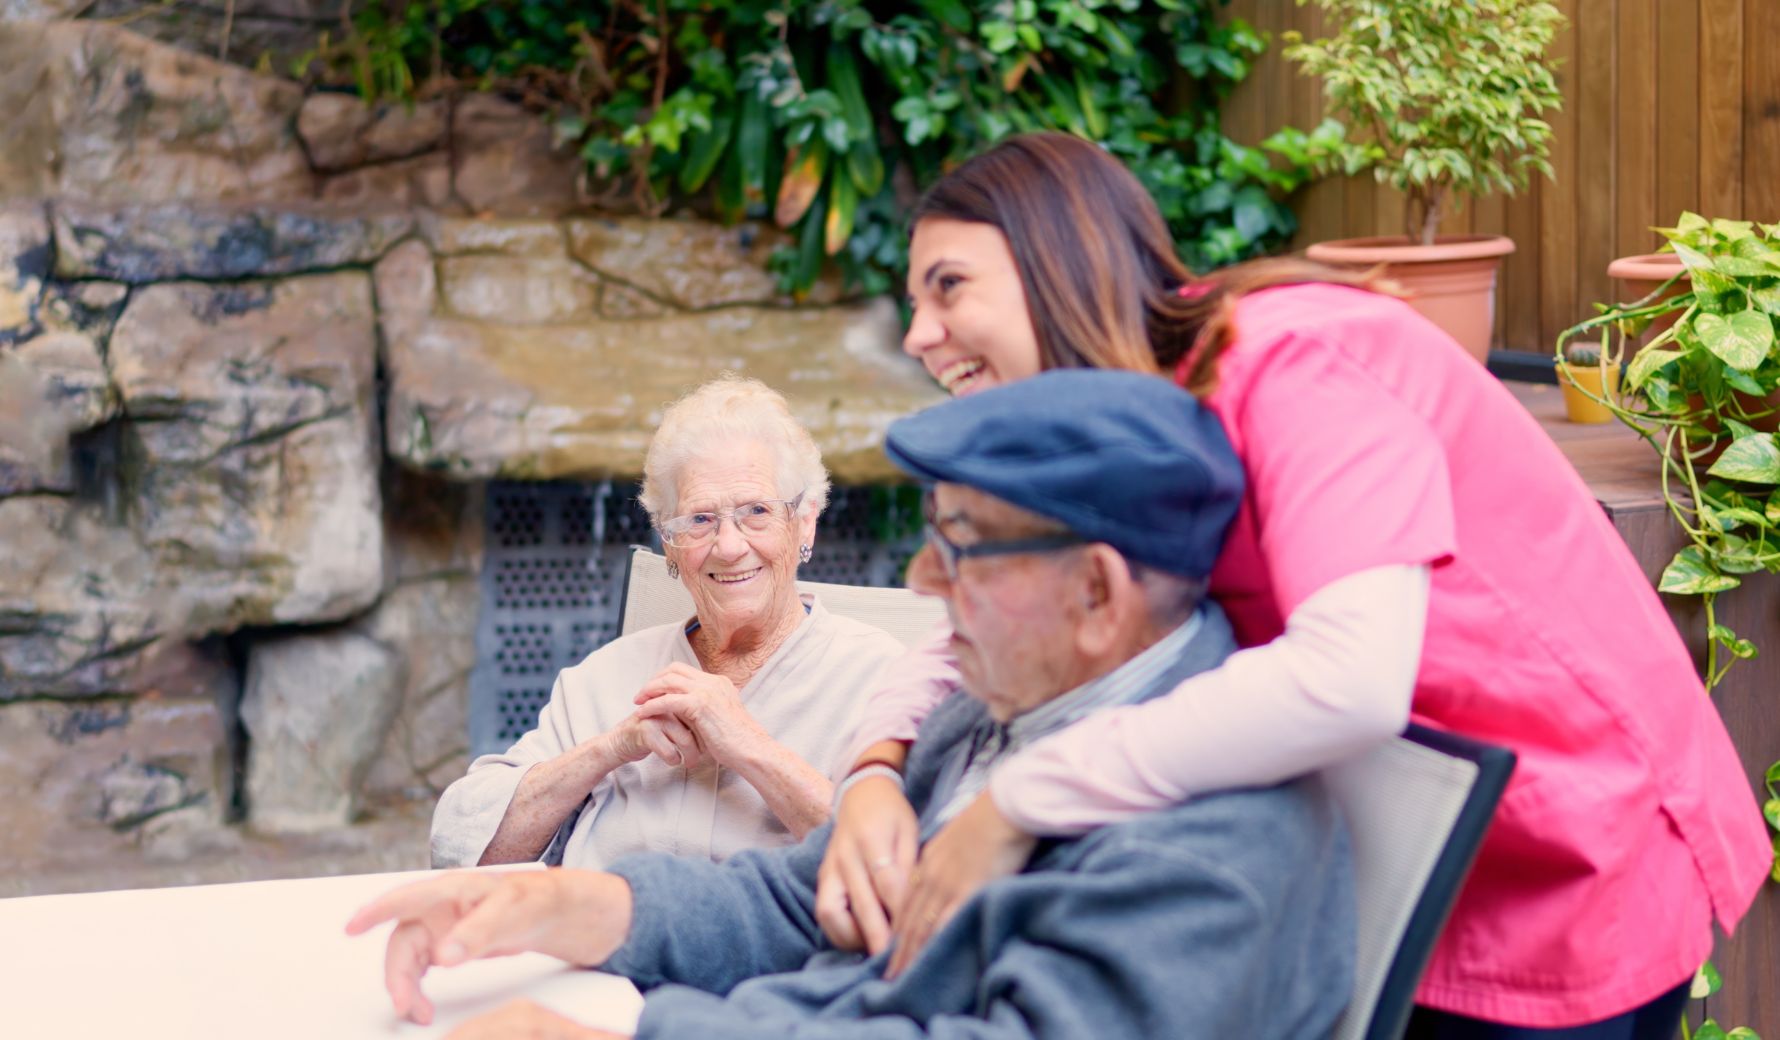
(807,695)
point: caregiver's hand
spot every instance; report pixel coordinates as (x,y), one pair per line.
(976,847)
(864,874)
(578,915)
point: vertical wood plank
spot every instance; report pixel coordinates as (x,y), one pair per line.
(1637,154)
(1557,210)
(1761,118)
(1489,217)
(1593,96)
(1243,114)
(1677,109)
(1520,276)
(1721,107)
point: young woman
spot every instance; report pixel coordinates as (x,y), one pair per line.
(1412,544)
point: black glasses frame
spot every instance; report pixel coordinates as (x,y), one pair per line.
(950,553)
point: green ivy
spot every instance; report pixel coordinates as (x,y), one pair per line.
(827,116)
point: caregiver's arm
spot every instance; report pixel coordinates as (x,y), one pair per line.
(1337,680)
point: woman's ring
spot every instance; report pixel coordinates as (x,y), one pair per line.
(882,861)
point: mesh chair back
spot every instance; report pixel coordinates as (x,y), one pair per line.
(652,598)
(1417,808)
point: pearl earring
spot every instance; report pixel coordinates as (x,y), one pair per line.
(804,553)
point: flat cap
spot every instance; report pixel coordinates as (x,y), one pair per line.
(1117,457)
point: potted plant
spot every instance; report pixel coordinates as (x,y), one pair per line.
(1647,278)
(1589,382)
(1445,99)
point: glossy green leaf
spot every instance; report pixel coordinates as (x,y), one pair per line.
(1741,341)
(703,153)
(1754,460)
(1706,981)
(1646,364)
(1688,574)
(1771,810)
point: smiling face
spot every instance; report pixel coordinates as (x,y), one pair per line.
(739,579)
(1014,618)
(971,326)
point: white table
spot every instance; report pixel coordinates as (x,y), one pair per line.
(264,960)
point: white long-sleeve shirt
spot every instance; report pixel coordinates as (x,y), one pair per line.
(1337,680)
(808,695)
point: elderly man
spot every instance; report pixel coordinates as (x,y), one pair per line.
(1072,521)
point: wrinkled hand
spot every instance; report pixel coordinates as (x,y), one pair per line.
(577,915)
(667,738)
(976,847)
(526,1020)
(865,871)
(709,706)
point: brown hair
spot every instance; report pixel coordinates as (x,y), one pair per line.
(1102,280)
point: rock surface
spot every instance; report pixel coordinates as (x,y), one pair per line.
(545,402)
(165,241)
(317,709)
(99,113)
(342,132)
(82,778)
(428,616)
(507,162)
(250,455)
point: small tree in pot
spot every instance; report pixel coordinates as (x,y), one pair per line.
(1443,99)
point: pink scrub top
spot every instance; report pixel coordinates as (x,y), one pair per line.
(1370,438)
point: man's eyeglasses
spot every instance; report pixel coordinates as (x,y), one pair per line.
(950,552)
(692,529)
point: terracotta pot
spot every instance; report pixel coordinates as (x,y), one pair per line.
(1452,282)
(1578,406)
(1643,275)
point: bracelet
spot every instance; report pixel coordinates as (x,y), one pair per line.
(867,763)
(875,769)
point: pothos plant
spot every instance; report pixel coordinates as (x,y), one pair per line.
(827,115)
(1705,393)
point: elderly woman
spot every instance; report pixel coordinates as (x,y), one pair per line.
(709,736)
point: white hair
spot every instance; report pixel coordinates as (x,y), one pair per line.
(726,410)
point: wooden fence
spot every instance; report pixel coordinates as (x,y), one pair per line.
(1669,105)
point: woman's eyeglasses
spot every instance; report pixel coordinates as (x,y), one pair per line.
(692,529)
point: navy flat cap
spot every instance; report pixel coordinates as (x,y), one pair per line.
(1117,457)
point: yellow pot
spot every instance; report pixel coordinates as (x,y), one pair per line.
(1578,406)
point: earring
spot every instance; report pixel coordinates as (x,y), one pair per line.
(673,569)
(804,553)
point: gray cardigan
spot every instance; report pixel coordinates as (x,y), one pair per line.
(1229,915)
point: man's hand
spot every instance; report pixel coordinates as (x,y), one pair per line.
(865,871)
(577,915)
(525,1020)
(710,707)
(976,847)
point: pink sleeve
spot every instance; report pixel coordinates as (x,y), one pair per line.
(1346,481)
(914,683)
(1343,474)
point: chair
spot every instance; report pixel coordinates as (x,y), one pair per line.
(1417,807)
(652,598)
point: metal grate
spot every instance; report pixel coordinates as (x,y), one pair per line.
(553,577)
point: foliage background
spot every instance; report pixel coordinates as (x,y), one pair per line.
(830,115)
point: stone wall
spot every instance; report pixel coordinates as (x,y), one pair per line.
(258,353)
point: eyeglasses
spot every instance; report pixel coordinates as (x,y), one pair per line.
(950,552)
(683,532)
